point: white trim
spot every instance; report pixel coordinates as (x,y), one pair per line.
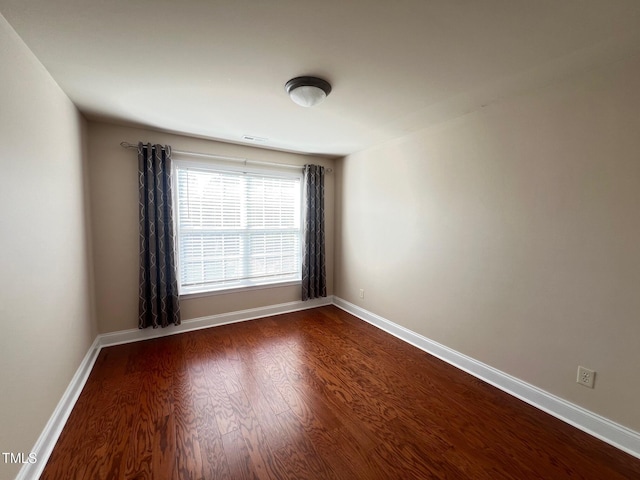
(210,293)
(589,422)
(600,427)
(52,430)
(136,335)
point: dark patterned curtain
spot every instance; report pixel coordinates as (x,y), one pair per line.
(314,277)
(158,302)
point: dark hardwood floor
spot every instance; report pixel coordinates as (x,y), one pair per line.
(316,394)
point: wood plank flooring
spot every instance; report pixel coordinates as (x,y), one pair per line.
(316,394)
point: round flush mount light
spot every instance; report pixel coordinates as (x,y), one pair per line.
(308,91)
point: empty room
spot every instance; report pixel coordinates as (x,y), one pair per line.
(320,240)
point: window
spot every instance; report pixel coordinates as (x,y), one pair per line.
(236,228)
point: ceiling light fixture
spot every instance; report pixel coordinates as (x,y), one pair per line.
(308,91)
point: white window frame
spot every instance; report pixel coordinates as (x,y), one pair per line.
(221,166)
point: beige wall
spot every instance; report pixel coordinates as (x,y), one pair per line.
(45,293)
(512,235)
(114,203)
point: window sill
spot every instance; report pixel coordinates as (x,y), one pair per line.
(225,291)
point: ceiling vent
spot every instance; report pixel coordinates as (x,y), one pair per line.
(253,138)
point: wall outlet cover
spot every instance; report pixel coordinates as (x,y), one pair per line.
(586,377)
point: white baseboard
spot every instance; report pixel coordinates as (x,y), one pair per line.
(596,425)
(49,436)
(589,422)
(136,335)
(52,430)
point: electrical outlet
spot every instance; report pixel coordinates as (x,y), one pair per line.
(586,377)
(361,293)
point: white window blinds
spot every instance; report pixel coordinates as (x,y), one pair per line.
(236,229)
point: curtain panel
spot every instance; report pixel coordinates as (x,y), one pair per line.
(158,304)
(314,277)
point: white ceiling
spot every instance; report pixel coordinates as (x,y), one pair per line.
(217,69)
